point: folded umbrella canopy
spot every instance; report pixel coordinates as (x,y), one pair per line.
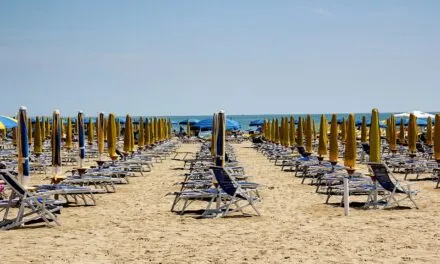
(81,138)
(206,124)
(23,146)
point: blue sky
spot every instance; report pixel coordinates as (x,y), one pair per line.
(195,57)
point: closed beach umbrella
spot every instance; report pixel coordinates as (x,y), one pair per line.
(48,131)
(322,145)
(147,133)
(343,130)
(90,132)
(412,133)
(277,132)
(393,139)
(350,145)
(334,149)
(111,136)
(100,127)
(214,134)
(81,138)
(151,132)
(56,143)
(29,130)
(23,147)
(130,123)
(309,134)
(315,129)
(156,130)
(69,143)
(299,133)
(127,136)
(188,129)
(141,135)
(220,144)
(43,129)
(429,132)
(437,138)
(292,131)
(374,137)
(402,132)
(38,148)
(118,129)
(364,130)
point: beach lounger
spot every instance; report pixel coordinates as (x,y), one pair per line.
(383,176)
(32,207)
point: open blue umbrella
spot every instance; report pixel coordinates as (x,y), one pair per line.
(206,124)
(192,122)
(81,138)
(23,146)
(258,122)
(7,122)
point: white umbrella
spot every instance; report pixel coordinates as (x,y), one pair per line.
(418,114)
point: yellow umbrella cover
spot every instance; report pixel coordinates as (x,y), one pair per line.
(292,131)
(322,145)
(90,132)
(111,136)
(151,132)
(43,129)
(48,132)
(147,132)
(141,133)
(29,131)
(334,133)
(127,137)
(38,139)
(437,138)
(277,132)
(374,137)
(309,135)
(364,130)
(118,129)
(412,133)
(299,134)
(350,145)
(69,143)
(100,134)
(429,132)
(393,139)
(315,129)
(402,132)
(343,130)
(156,130)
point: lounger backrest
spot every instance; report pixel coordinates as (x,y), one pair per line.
(302,151)
(366,148)
(225,182)
(11,182)
(420,147)
(382,176)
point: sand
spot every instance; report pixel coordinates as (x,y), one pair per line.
(134,225)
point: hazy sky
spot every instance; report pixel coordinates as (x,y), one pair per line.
(195,57)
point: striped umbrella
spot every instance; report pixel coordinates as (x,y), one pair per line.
(23,147)
(7,123)
(81,138)
(100,128)
(334,148)
(374,137)
(56,143)
(220,143)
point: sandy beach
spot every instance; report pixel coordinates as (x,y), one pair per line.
(134,225)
